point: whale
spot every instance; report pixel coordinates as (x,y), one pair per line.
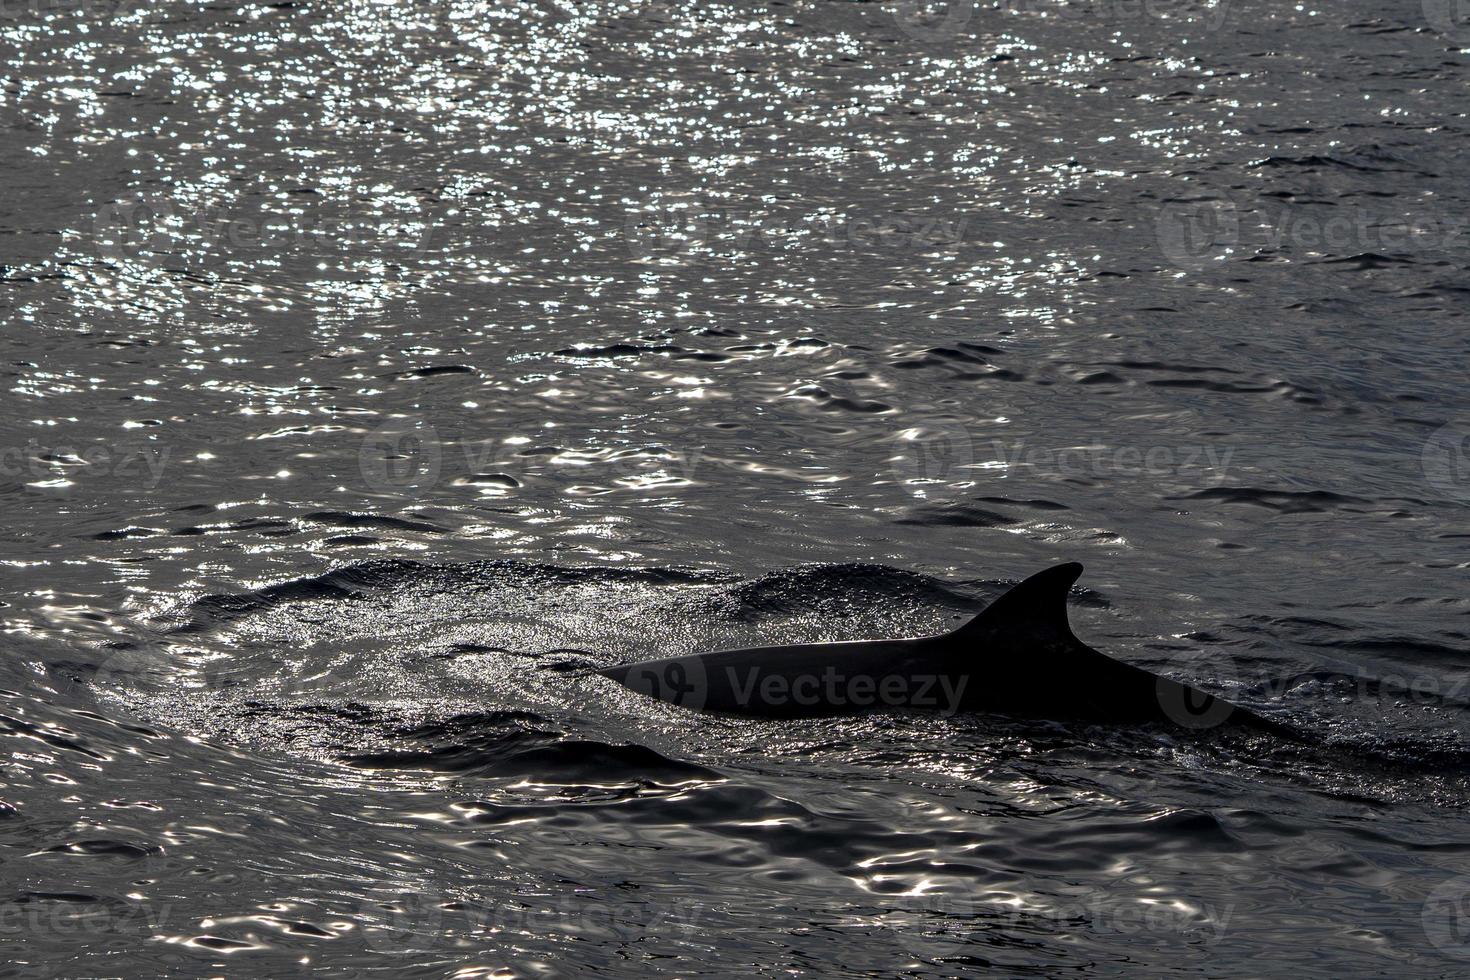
(1018,657)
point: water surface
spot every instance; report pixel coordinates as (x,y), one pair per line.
(373,370)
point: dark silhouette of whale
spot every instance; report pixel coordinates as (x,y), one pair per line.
(1017,657)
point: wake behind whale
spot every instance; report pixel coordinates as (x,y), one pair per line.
(1019,657)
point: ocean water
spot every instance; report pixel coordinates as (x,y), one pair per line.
(373,370)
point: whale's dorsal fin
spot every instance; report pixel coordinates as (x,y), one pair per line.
(1039,604)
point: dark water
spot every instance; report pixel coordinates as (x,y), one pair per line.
(371,370)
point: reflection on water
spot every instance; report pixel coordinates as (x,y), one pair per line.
(374,370)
